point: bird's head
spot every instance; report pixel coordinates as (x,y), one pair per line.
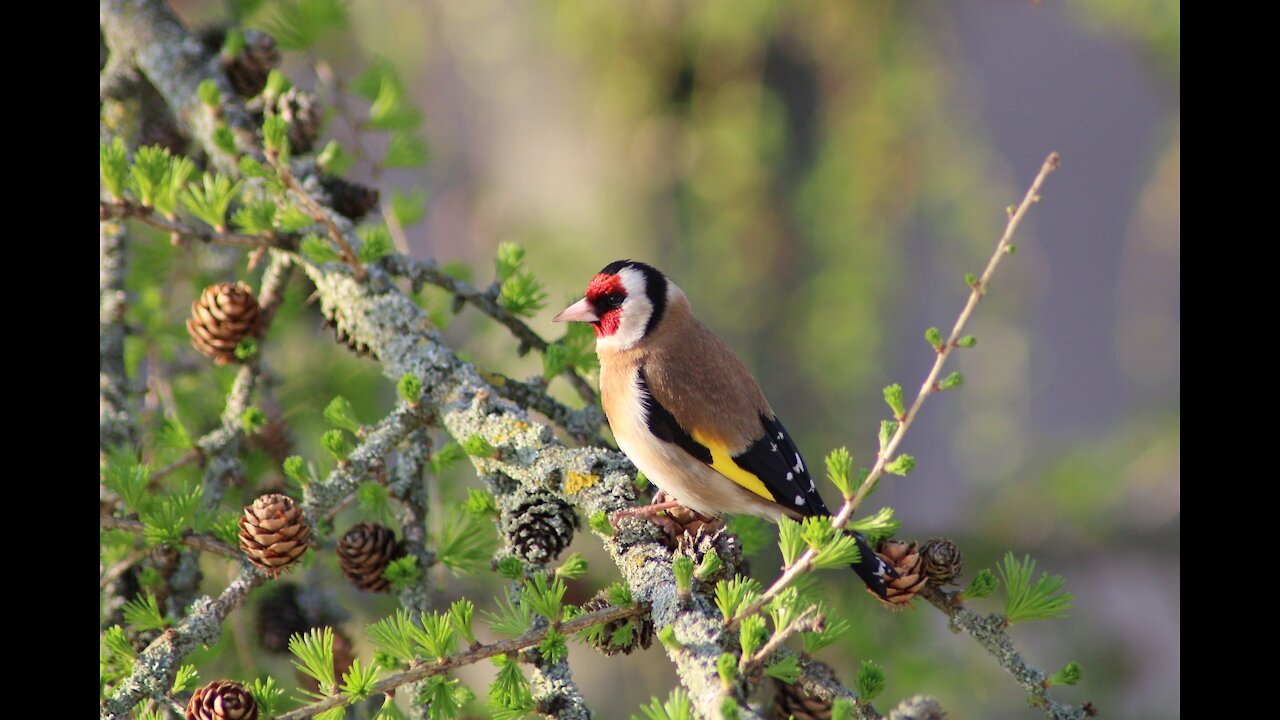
(625,301)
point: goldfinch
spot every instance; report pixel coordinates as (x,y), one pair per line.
(686,411)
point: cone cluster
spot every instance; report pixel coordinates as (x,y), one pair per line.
(248,71)
(364,553)
(540,528)
(222,700)
(273,532)
(791,701)
(906,560)
(641,632)
(223,315)
(352,200)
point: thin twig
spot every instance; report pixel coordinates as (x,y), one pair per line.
(125,208)
(990,633)
(804,563)
(187,458)
(207,543)
(804,621)
(321,214)
(471,656)
(119,568)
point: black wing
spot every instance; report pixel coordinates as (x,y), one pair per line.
(776,461)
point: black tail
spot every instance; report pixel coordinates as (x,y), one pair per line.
(871,568)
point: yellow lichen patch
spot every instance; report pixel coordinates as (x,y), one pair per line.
(577,481)
(493,378)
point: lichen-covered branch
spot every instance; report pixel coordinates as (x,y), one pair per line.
(989,631)
(155,667)
(206,543)
(582,425)
(469,657)
(115,424)
(428,271)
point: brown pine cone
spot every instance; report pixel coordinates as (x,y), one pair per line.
(224,315)
(279,617)
(364,553)
(540,528)
(222,700)
(352,200)
(301,110)
(681,520)
(906,561)
(343,656)
(942,561)
(248,71)
(641,629)
(273,533)
(791,701)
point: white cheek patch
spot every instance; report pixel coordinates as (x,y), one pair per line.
(636,311)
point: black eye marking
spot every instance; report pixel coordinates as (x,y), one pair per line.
(615,299)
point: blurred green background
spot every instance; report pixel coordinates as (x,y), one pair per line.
(818,177)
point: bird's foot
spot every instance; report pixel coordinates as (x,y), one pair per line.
(644,510)
(674,519)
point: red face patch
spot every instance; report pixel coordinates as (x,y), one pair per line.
(598,290)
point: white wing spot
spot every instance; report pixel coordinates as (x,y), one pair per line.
(799,500)
(791,476)
(773,447)
(811,486)
(799,466)
(779,436)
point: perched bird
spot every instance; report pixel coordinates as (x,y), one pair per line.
(687,412)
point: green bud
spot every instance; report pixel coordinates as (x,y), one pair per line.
(901,465)
(682,566)
(951,382)
(277,85)
(340,413)
(982,585)
(246,348)
(1069,675)
(337,444)
(511,568)
(1010,249)
(477,446)
(667,636)
(209,93)
(971,280)
(253,419)
(893,396)
(727,667)
(233,45)
(887,429)
(870,681)
(842,709)
(275,134)
(480,503)
(729,709)
(224,139)
(710,565)
(599,522)
(967,341)
(934,338)
(574,567)
(296,468)
(409,388)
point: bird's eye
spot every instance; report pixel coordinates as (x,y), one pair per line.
(615,299)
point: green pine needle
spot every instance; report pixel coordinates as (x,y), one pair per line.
(574,567)
(677,707)
(967,341)
(253,419)
(227,528)
(113,166)
(480,503)
(168,519)
(340,413)
(727,668)
(951,382)
(394,636)
(982,585)
(185,679)
(893,396)
(842,709)
(752,634)
(710,565)
(224,139)
(786,670)
(299,24)
(460,615)
(333,159)
(375,243)
(1027,602)
(391,109)
(402,573)
(315,651)
(877,527)
(510,689)
(831,631)
(477,446)
(887,430)
(317,249)
(405,150)
(209,93)
(267,694)
(180,171)
(870,682)
(358,683)
(507,260)
(901,465)
(511,568)
(599,522)
(149,174)
(373,500)
(210,199)
(337,443)
(734,594)
(118,643)
(409,388)
(839,552)
(128,479)
(246,349)
(465,543)
(255,218)
(619,595)
(143,613)
(729,709)
(295,468)
(790,541)
(667,636)
(438,638)
(839,463)
(522,294)
(292,219)
(682,567)
(934,337)
(446,457)
(408,209)
(554,647)
(1069,675)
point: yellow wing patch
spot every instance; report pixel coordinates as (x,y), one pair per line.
(722,462)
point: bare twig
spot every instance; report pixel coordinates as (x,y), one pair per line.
(471,656)
(125,208)
(190,456)
(804,563)
(119,568)
(207,543)
(805,621)
(322,215)
(990,633)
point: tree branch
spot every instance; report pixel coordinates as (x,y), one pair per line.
(990,633)
(207,543)
(470,657)
(115,425)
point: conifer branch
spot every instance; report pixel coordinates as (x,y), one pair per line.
(207,543)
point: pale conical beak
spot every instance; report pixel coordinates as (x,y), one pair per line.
(580,311)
